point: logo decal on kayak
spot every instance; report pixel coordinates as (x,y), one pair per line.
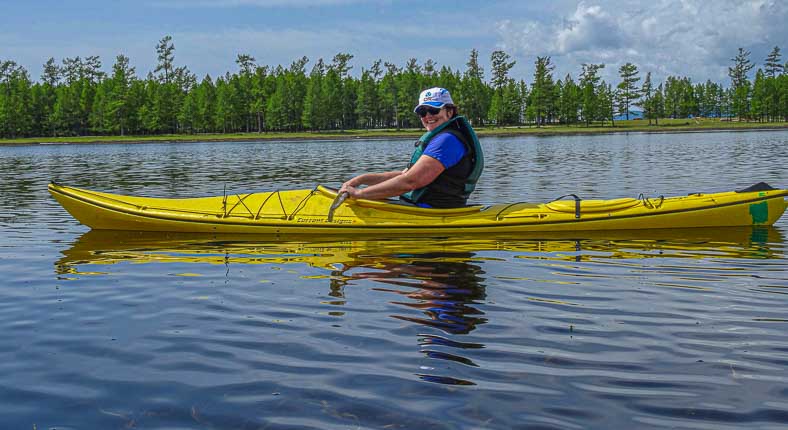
(759,212)
(303,220)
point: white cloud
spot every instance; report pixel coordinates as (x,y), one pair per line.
(692,38)
(589,28)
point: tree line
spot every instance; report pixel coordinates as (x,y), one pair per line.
(77,98)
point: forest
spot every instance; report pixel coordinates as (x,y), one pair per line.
(76,98)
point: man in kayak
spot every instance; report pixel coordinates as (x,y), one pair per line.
(443,169)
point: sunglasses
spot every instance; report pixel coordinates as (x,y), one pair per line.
(424,110)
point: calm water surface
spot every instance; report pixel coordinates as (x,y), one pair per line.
(664,329)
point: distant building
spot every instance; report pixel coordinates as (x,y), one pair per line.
(633,114)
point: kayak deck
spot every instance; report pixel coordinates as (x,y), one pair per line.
(307,211)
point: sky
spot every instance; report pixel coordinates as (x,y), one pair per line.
(691,38)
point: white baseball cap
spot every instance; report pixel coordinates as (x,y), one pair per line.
(435,97)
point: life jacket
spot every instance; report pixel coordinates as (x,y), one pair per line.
(453,186)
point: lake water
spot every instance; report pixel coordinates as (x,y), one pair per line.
(661,329)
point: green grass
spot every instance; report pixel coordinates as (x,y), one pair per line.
(665,125)
(203,137)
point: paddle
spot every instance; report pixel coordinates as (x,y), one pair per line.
(337,201)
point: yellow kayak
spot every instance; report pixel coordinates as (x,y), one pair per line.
(321,211)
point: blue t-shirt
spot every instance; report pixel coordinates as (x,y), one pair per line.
(446,148)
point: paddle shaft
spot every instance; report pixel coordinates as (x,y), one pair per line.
(337,201)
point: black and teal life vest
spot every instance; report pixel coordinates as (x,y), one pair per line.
(453,186)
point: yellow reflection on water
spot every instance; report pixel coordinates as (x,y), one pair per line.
(111,247)
(436,283)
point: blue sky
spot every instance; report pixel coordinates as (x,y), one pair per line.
(666,37)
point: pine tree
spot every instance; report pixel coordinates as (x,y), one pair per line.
(314,103)
(647,98)
(782,103)
(332,103)
(658,104)
(244,84)
(188,114)
(628,92)
(389,94)
(511,103)
(346,93)
(774,65)
(262,87)
(72,70)
(275,111)
(711,101)
(46,98)
(408,85)
(474,94)
(377,74)
(366,100)
(542,89)
(589,83)
(570,100)
(16,117)
(205,101)
(295,83)
(606,98)
(223,118)
(164,52)
(149,110)
(51,73)
(500,77)
(688,105)
(523,94)
(759,103)
(117,103)
(65,115)
(740,83)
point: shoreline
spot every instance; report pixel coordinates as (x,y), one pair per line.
(350,135)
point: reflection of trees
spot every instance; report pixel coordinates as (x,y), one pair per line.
(17,179)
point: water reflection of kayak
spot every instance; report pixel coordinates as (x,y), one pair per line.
(436,286)
(110,247)
(308,212)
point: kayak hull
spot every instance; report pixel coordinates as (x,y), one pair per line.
(307,212)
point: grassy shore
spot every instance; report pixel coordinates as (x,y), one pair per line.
(665,126)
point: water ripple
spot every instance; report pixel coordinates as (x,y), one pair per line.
(648,330)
